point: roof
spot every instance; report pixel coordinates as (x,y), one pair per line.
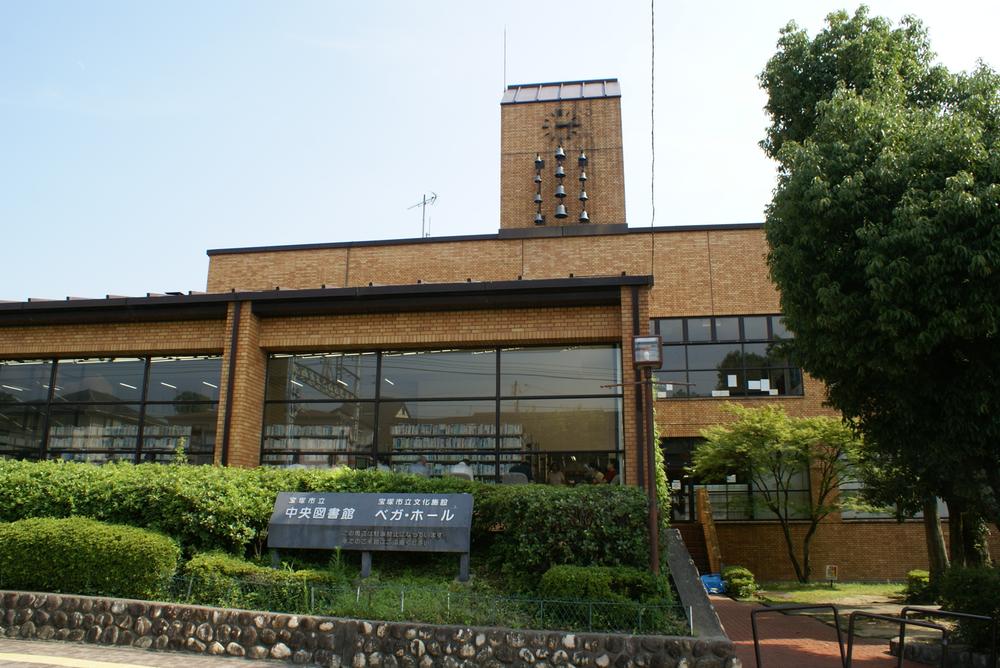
(470,295)
(561,90)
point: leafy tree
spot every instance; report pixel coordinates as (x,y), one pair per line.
(773,450)
(885,238)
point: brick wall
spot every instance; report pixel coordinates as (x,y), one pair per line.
(869,550)
(154,338)
(248,390)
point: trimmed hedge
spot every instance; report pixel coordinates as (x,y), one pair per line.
(919,589)
(740,582)
(523,529)
(82,556)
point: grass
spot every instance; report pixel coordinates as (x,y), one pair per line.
(822,592)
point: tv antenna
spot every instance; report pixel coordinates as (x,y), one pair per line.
(424,202)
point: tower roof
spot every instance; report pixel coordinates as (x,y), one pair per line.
(561,90)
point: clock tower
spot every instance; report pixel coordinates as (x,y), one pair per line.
(561,158)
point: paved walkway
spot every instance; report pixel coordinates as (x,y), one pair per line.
(796,641)
(36,653)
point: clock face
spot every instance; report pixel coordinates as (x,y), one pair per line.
(561,126)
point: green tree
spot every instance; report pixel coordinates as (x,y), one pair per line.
(773,450)
(885,245)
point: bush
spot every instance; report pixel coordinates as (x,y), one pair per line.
(975,591)
(919,589)
(740,582)
(603,583)
(521,529)
(82,556)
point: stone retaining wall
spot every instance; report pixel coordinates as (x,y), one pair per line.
(338,643)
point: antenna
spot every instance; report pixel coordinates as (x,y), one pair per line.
(424,202)
(505,57)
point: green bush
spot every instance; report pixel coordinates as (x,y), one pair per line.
(919,589)
(740,582)
(604,583)
(975,591)
(521,529)
(82,556)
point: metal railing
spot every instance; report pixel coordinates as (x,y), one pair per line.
(430,604)
(946,614)
(903,623)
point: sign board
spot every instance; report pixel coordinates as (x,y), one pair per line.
(831,572)
(371,522)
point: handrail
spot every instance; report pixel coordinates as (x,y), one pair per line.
(902,621)
(948,614)
(795,608)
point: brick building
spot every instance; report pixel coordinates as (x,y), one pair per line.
(507,349)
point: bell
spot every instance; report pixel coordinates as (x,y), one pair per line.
(560,153)
(560,172)
(538,198)
(584,218)
(583,175)
(561,211)
(539,219)
(583,160)
(538,178)
(583,195)
(539,163)
(560,191)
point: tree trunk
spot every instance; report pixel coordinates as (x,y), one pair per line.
(937,556)
(956,534)
(790,544)
(974,539)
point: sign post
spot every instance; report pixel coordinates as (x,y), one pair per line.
(368,523)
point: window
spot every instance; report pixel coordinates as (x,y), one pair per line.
(540,410)
(734,356)
(106,409)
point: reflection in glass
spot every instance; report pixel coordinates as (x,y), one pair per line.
(166,425)
(82,380)
(576,370)
(93,432)
(714,356)
(561,424)
(316,434)
(22,381)
(456,426)
(779,329)
(674,357)
(755,328)
(699,329)
(430,374)
(321,377)
(672,330)
(727,329)
(21,428)
(184,379)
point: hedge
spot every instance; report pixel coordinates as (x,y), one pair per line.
(82,556)
(740,581)
(975,591)
(603,583)
(523,529)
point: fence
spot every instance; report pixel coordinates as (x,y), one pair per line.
(431,605)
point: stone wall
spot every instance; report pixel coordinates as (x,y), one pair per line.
(337,643)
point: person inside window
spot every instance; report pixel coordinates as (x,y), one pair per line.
(421,467)
(556,476)
(592,475)
(462,470)
(522,467)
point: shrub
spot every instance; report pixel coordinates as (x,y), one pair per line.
(604,583)
(972,590)
(82,556)
(522,529)
(740,582)
(919,589)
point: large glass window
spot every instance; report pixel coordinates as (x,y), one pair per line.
(499,412)
(103,409)
(734,356)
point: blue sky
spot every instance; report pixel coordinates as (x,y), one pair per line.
(134,135)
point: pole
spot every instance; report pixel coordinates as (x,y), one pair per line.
(654,520)
(423,215)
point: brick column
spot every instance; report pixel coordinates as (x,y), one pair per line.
(632,401)
(241,409)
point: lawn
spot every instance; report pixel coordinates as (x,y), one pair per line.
(842,593)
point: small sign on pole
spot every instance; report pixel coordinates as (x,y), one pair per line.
(831,574)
